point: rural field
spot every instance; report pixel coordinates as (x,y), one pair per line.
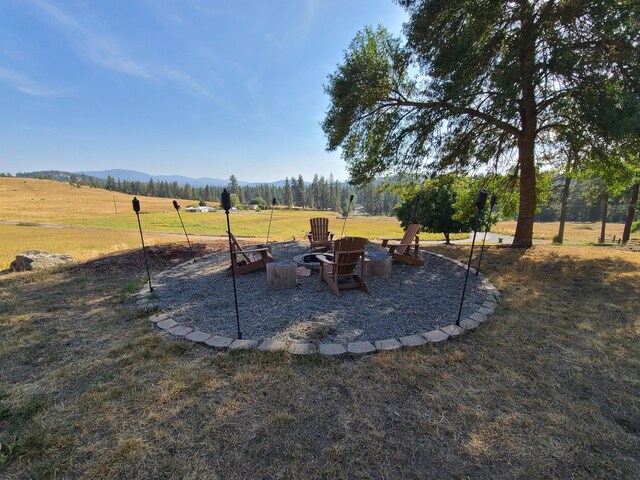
(574,232)
(548,387)
(92,226)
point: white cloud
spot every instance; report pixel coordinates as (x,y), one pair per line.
(24,84)
(108,52)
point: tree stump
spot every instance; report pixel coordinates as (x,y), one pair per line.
(281,275)
(379,264)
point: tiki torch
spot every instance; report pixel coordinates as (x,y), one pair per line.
(176,205)
(273,204)
(136,208)
(481,202)
(493,202)
(345,217)
(226,205)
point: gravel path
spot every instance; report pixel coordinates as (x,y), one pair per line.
(413,300)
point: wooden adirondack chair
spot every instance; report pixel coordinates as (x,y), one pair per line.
(320,237)
(248,259)
(346,253)
(401,252)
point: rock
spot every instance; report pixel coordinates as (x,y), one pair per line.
(37,260)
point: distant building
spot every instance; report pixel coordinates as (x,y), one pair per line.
(200,209)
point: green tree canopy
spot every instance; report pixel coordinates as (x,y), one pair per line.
(481,83)
(432,206)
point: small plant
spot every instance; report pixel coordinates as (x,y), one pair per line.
(128,289)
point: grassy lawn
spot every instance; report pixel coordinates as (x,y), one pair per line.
(549,387)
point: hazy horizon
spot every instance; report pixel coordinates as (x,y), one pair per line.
(197,89)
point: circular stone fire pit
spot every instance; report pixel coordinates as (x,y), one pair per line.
(310,260)
(413,306)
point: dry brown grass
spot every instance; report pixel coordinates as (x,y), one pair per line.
(548,388)
(95,229)
(573,232)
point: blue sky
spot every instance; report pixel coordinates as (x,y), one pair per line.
(191,87)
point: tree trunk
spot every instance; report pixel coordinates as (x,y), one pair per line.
(446,239)
(563,208)
(528,122)
(605,209)
(626,234)
(526,213)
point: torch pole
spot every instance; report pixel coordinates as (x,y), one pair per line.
(233,275)
(226,205)
(480,204)
(273,204)
(346,216)
(493,202)
(136,208)
(177,207)
(466,277)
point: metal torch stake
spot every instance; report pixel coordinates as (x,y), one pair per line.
(233,275)
(177,207)
(144,252)
(226,204)
(466,278)
(346,216)
(485,237)
(273,203)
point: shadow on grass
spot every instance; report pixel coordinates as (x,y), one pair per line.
(547,387)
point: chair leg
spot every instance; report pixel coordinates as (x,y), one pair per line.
(333,283)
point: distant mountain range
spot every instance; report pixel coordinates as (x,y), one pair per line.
(132,175)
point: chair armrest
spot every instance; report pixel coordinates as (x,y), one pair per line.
(254,250)
(323,259)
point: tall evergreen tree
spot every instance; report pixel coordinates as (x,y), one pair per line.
(288,194)
(496,78)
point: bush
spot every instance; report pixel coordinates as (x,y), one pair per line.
(258,201)
(635,226)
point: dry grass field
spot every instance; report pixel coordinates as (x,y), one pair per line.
(81,244)
(574,232)
(549,387)
(98,229)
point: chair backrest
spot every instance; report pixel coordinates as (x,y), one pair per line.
(346,253)
(409,234)
(236,249)
(319,229)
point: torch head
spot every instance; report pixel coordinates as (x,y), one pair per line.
(226,201)
(175,205)
(273,202)
(136,204)
(494,201)
(351,198)
(481,201)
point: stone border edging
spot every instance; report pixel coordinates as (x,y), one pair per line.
(332,350)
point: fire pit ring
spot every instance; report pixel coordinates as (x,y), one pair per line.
(309,260)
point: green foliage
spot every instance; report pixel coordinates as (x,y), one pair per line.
(235,200)
(258,201)
(484,83)
(635,226)
(432,206)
